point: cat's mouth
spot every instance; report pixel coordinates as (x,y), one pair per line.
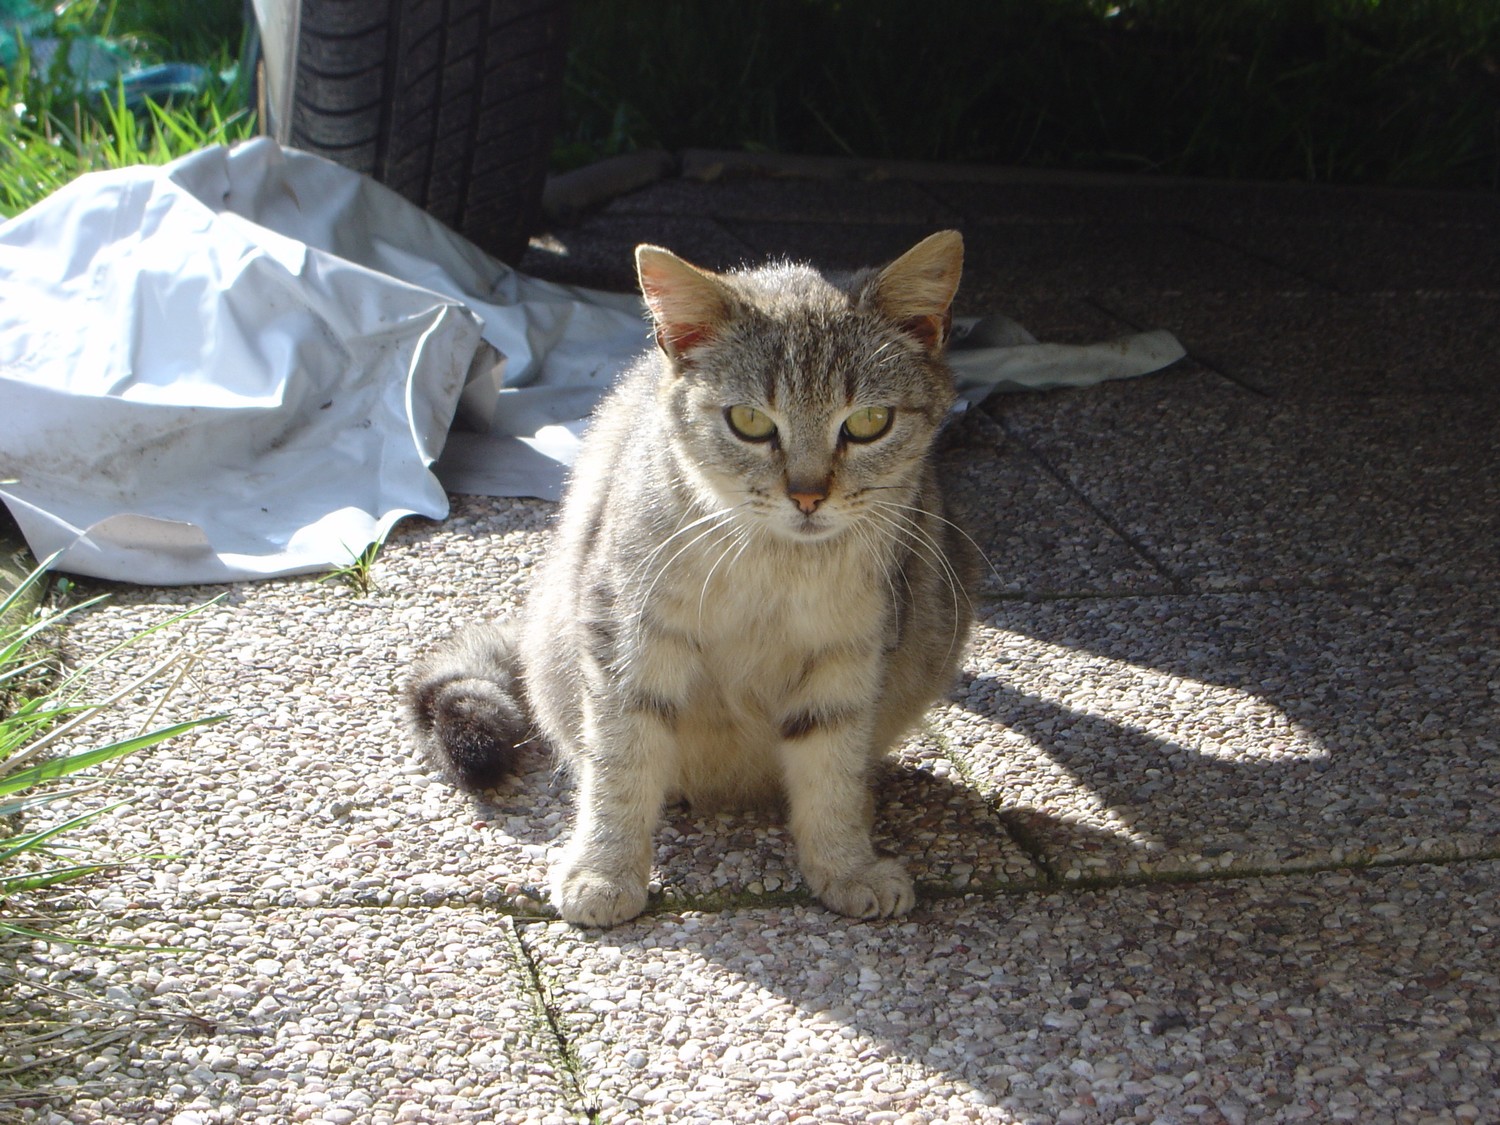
(801,527)
(815,526)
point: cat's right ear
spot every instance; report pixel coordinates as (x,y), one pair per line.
(917,289)
(688,305)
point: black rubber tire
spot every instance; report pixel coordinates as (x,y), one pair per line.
(453,103)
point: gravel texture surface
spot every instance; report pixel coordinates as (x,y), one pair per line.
(1242,732)
(349,932)
(1037,535)
(1391,258)
(1340,996)
(310,794)
(303,1014)
(1206,833)
(1227,489)
(1337,997)
(1307,344)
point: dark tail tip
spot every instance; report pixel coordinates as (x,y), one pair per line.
(471,729)
(465,708)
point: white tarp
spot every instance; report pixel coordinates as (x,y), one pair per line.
(243,364)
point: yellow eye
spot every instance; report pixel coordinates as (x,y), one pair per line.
(867,423)
(749,423)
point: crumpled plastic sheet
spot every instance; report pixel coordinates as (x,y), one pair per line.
(244,364)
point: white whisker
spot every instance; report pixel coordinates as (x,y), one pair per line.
(682,529)
(740,538)
(645,598)
(716,522)
(956,527)
(868,533)
(925,548)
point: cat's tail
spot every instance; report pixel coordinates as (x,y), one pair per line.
(466,707)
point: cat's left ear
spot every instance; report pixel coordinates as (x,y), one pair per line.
(688,305)
(917,289)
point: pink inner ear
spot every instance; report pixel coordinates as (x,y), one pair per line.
(675,339)
(931,330)
(676,312)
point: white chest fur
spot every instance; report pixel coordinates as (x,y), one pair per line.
(741,646)
(775,600)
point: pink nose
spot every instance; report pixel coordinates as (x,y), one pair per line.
(808,501)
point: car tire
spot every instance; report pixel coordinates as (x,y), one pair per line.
(452,103)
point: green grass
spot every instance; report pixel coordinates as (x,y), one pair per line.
(53,133)
(40,154)
(1372,91)
(359,574)
(53,778)
(45,755)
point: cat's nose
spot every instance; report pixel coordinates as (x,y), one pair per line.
(808,501)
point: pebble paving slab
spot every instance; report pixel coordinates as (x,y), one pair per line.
(310,794)
(325,1016)
(1365,996)
(1036,536)
(1336,996)
(1228,489)
(1244,732)
(1307,344)
(1231,698)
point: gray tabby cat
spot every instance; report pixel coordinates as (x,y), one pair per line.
(753,590)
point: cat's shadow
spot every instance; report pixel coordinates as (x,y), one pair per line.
(952,839)
(946,832)
(767,937)
(1187,749)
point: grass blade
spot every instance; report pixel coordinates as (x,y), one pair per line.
(72,763)
(32,841)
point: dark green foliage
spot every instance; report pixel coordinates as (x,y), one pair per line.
(1392,91)
(182,30)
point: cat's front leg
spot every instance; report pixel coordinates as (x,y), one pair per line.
(622,773)
(825,761)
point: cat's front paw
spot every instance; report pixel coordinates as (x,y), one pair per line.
(590,896)
(881,889)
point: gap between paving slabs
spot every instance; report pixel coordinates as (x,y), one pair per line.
(929,816)
(921,758)
(1048,882)
(961,834)
(697,873)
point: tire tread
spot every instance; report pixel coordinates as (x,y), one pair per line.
(450,102)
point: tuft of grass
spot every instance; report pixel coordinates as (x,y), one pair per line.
(54,130)
(40,155)
(45,759)
(44,710)
(359,575)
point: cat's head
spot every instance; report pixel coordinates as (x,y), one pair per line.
(806,403)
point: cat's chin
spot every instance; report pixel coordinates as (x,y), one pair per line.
(811,529)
